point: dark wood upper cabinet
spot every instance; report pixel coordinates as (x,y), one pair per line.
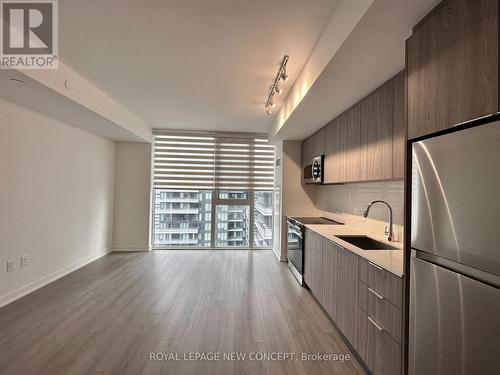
(307,146)
(313,146)
(377,113)
(452,63)
(342,138)
(399,136)
(367,141)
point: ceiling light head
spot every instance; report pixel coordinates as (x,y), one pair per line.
(283,74)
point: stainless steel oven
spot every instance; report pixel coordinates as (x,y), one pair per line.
(312,172)
(295,242)
(295,248)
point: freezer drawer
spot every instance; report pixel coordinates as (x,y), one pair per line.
(454,323)
(455,207)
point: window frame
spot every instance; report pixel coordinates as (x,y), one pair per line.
(216,138)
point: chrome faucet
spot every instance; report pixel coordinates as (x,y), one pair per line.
(388,230)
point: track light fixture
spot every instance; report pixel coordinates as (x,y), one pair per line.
(284,76)
(274,88)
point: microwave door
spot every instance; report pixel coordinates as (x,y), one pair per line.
(455,200)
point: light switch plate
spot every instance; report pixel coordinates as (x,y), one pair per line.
(24,261)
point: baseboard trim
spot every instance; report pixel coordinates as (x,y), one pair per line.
(131,248)
(41,282)
(280,258)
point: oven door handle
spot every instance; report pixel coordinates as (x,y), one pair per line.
(297,228)
(297,233)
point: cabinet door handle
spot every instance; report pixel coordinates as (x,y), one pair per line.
(375,324)
(374,265)
(375,293)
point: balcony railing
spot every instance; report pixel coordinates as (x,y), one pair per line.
(192,242)
(178,200)
(176,230)
(264,210)
(264,231)
(188,211)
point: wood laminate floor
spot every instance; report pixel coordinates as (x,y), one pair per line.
(107,317)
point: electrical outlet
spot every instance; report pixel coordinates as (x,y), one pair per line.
(24,261)
(11,265)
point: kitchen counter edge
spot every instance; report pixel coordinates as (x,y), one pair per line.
(390,260)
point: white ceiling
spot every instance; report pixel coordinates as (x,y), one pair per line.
(190,64)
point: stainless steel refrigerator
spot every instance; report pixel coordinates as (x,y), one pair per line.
(454,323)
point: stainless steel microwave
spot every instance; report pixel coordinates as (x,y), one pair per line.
(313,171)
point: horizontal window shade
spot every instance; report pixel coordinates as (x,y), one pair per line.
(212,161)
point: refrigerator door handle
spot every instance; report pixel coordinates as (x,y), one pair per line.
(462,269)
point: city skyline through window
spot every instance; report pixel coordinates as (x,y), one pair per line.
(183,218)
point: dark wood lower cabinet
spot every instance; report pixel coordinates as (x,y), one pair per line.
(347,294)
(313,262)
(385,313)
(380,352)
(360,297)
(330,289)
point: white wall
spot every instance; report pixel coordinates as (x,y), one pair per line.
(56,198)
(296,199)
(132,197)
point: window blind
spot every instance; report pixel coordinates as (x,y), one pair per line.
(207,161)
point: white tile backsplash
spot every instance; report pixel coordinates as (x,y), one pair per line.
(347,202)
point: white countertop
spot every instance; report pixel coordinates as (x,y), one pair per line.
(391,260)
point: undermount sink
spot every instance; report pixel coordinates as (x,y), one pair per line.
(367,243)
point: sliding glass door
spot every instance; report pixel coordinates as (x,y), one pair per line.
(232,218)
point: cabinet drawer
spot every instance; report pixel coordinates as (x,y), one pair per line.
(363,270)
(386,284)
(384,313)
(363,296)
(380,352)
